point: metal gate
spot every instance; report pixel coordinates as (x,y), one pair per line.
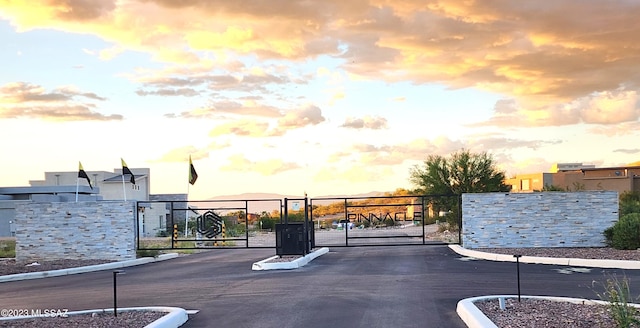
(354,221)
(207,224)
(386,220)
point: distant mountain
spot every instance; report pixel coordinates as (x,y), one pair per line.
(262,195)
(254,196)
(368,194)
(257,206)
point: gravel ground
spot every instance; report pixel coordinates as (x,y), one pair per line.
(102,320)
(604,253)
(10,266)
(548,314)
(124,319)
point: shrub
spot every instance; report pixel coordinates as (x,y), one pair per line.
(618,297)
(608,235)
(236,230)
(268,223)
(626,232)
(629,202)
(147,253)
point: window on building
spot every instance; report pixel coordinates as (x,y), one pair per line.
(162,223)
(525,184)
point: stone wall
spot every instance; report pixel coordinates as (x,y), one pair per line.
(84,230)
(543,219)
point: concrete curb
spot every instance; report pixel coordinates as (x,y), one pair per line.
(90,268)
(263,265)
(611,264)
(474,318)
(174,318)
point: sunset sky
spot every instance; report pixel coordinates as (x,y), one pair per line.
(328,97)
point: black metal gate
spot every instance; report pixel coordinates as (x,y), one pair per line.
(307,223)
(386,220)
(208,224)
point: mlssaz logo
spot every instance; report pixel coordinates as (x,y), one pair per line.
(209,224)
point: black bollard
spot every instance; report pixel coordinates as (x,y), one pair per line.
(518,256)
(115,292)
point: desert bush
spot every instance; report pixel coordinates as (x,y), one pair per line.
(625,234)
(445,226)
(147,253)
(268,223)
(608,235)
(236,230)
(618,297)
(629,202)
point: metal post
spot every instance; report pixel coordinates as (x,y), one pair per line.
(306,229)
(246,222)
(115,292)
(460,219)
(517,256)
(286,211)
(346,219)
(424,233)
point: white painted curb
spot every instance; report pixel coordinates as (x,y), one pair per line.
(474,318)
(263,265)
(590,263)
(174,318)
(90,268)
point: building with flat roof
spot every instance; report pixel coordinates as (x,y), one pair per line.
(577,177)
(67,187)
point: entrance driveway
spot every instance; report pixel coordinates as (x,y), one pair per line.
(403,286)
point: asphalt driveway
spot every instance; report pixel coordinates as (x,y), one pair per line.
(403,286)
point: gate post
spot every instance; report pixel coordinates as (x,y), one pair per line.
(424,237)
(346,219)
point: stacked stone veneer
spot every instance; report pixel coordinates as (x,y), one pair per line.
(84,230)
(546,219)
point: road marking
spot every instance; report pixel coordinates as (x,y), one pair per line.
(573,270)
(467,259)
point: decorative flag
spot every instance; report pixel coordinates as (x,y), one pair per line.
(193,175)
(125,170)
(83,174)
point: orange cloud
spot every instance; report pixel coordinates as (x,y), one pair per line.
(609,107)
(67,103)
(247,128)
(538,52)
(367,122)
(267,167)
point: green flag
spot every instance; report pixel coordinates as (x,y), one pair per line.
(193,175)
(125,170)
(83,174)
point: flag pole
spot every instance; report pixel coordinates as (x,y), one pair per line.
(192,177)
(186,212)
(124,190)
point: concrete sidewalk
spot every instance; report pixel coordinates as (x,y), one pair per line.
(589,263)
(89,268)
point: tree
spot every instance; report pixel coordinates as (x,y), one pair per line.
(462,172)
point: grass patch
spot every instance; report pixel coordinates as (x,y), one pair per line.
(7,248)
